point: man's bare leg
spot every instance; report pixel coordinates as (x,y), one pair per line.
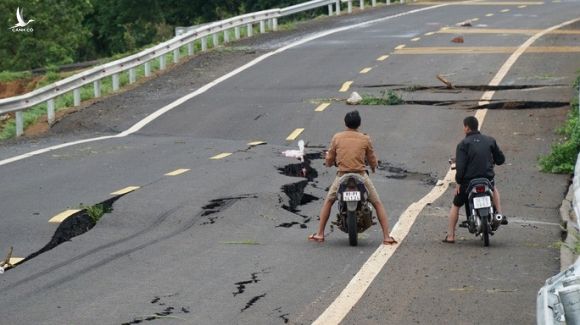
(496,200)
(324,215)
(384,221)
(453,216)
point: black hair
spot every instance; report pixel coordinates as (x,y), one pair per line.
(352,120)
(471,122)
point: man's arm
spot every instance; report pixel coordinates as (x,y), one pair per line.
(371,157)
(498,156)
(460,162)
(330,159)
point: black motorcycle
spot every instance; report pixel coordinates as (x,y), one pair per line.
(354,211)
(481,218)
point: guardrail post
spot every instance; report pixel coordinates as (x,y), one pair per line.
(19,123)
(262,27)
(204,44)
(269,24)
(362,4)
(388,2)
(237,33)
(250,30)
(338,7)
(216,40)
(226,36)
(350,6)
(132,76)
(50,111)
(330,10)
(176,55)
(162,62)
(97,88)
(148,69)
(190,49)
(374,3)
(275,24)
(76,97)
(116,82)
(402,1)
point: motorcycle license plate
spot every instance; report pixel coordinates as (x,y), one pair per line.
(351,196)
(481,202)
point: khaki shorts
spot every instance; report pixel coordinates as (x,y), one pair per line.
(373,195)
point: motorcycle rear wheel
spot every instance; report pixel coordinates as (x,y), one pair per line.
(485,232)
(352,231)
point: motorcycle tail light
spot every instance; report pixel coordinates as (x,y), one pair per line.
(480,189)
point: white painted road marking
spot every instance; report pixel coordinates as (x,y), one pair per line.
(355,289)
(63,215)
(221,156)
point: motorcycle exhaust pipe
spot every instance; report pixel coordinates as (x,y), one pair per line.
(498,218)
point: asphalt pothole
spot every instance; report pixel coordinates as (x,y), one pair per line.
(400,173)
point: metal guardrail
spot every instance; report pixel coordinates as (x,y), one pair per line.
(267,19)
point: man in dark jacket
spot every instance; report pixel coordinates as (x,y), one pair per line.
(475,157)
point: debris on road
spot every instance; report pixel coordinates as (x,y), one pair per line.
(5,264)
(354,99)
(458,39)
(466,23)
(298,154)
(445,81)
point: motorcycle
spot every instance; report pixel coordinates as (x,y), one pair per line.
(481,218)
(354,210)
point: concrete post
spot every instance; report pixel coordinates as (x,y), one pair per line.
(162,62)
(77,97)
(176,56)
(190,49)
(250,30)
(50,111)
(374,3)
(338,7)
(330,10)
(116,82)
(350,6)
(362,4)
(97,88)
(147,69)
(132,76)
(275,24)
(204,44)
(226,36)
(262,27)
(237,33)
(19,123)
(216,40)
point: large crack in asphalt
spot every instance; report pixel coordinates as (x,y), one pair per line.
(241,288)
(401,173)
(215,206)
(166,312)
(412,88)
(295,191)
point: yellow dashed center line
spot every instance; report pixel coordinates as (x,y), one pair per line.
(522,7)
(256,143)
(221,156)
(15,260)
(177,172)
(366,70)
(295,134)
(475,19)
(489,15)
(322,107)
(505,10)
(430,33)
(415,39)
(383,58)
(400,47)
(63,215)
(345,86)
(125,190)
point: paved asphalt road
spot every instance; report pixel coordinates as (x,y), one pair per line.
(215,244)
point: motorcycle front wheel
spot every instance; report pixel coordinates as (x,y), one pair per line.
(351,225)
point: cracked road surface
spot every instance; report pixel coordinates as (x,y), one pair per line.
(198,239)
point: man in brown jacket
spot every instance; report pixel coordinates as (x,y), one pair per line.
(348,150)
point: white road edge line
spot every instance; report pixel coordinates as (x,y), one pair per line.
(150,118)
(355,289)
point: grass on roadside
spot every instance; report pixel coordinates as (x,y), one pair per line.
(387,98)
(562,158)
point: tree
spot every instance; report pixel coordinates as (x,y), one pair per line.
(58,33)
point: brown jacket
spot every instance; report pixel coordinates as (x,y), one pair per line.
(348,150)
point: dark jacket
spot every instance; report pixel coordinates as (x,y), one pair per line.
(475,156)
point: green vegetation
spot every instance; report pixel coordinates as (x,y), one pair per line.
(387,98)
(562,159)
(81,30)
(97,211)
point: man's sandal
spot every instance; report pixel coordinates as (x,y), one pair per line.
(447,241)
(316,239)
(390,241)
